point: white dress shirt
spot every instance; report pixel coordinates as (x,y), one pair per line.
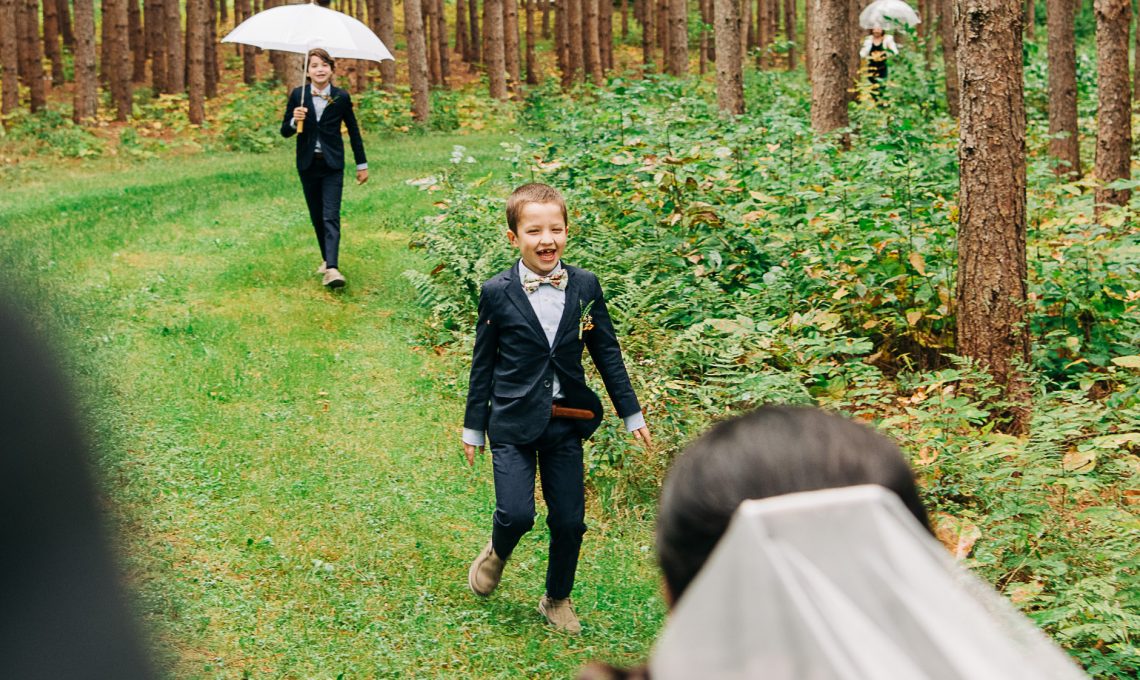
(548,303)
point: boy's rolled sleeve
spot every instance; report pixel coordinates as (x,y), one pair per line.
(476,437)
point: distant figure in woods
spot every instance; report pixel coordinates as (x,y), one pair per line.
(63,610)
(874,50)
(315,112)
(528,393)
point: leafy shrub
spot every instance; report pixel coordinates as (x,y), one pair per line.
(52,132)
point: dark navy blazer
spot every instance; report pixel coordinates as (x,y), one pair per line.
(327,128)
(511,368)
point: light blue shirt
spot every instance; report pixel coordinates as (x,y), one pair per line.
(319,105)
(548,304)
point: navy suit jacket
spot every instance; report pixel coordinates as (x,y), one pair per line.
(510,393)
(327,129)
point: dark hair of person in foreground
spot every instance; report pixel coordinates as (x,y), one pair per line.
(63,612)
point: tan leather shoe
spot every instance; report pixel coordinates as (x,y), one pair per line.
(560,614)
(333,278)
(485,572)
(323,268)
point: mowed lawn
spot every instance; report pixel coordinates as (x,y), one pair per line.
(283,463)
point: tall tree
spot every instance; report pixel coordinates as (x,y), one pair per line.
(574,24)
(461,32)
(547,5)
(592,44)
(531,66)
(36,80)
(154,26)
(175,47)
(790,32)
(432,40)
(678,59)
(51,41)
(947,27)
(196,58)
(991,288)
(86,80)
(441,35)
(1064,143)
(473,25)
(212,73)
(1031,19)
(242,11)
(137,41)
(606,32)
(115,13)
(385,27)
(511,44)
(9,59)
(417,59)
(63,10)
(496,61)
(562,44)
(648,31)
(1114,118)
(729,57)
(830,32)
(705,8)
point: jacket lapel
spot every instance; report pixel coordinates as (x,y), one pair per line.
(517,295)
(570,313)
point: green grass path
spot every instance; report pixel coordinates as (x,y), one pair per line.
(284,462)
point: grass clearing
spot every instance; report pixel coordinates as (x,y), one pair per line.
(284,461)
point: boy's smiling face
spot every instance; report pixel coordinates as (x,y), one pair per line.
(541,236)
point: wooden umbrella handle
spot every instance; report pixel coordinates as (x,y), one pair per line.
(300,126)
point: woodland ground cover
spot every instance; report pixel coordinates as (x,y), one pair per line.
(748,261)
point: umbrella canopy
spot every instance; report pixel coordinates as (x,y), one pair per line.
(300,28)
(883,13)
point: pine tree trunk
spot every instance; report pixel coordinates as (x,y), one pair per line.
(223,13)
(441,35)
(212,73)
(593,45)
(830,63)
(63,11)
(196,58)
(155,26)
(1114,121)
(243,11)
(1060,15)
(51,41)
(37,85)
(136,41)
(705,8)
(496,60)
(729,57)
(461,32)
(511,44)
(790,32)
(430,9)
(546,7)
(562,44)
(386,31)
(948,29)
(175,48)
(662,11)
(104,45)
(678,37)
(758,31)
(120,71)
(1136,65)
(809,37)
(473,25)
(929,7)
(9,59)
(531,66)
(991,288)
(86,79)
(606,33)
(574,25)
(851,49)
(1031,19)
(417,59)
(624,21)
(648,31)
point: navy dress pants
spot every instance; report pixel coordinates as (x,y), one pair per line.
(323,187)
(557,454)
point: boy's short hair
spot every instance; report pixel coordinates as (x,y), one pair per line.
(535,192)
(323,55)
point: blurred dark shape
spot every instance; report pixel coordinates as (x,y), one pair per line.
(63,610)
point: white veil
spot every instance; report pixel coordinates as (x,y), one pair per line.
(845,584)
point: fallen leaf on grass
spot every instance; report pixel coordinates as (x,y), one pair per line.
(1079,461)
(958,535)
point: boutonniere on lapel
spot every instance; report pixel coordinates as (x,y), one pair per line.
(328,99)
(585,321)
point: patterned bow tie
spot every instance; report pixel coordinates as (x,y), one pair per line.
(558,279)
(323,96)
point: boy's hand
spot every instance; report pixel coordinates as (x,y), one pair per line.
(469,451)
(641,434)
(299,113)
(362,176)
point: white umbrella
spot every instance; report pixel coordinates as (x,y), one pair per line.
(881,13)
(300,28)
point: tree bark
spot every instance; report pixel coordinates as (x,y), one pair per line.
(511,44)
(809,33)
(758,32)
(678,37)
(729,57)
(136,41)
(948,31)
(63,10)
(531,66)
(991,288)
(473,25)
(624,21)
(705,8)
(212,73)
(592,43)
(432,40)
(648,31)
(830,34)
(1060,15)
(154,25)
(196,58)
(574,28)
(562,44)
(852,49)
(86,79)
(9,59)
(790,32)
(175,48)
(115,14)
(417,59)
(242,11)
(1031,19)
(1113,120)
(496,60)
(385,18)
(547,5)
(606,33)
(442,33)
(51,41)
(32,71)
(461,32)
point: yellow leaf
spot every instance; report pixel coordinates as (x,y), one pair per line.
(840,293)
(1132,361)
(1024,592)
(913,316)
(957,535)
(1079,461)
(917,262)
